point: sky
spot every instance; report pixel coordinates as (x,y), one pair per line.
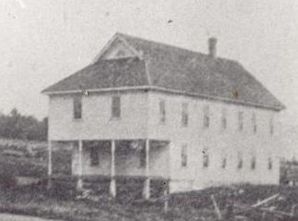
(43,41)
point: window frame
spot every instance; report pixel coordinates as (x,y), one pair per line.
(77,105)
(240,160)
(271,126)
(184,156)
(206,158)
(162,111)
(116,107)
(206,116)
(270,163)
(224,122)
(184,114)
(254,123)
(94,152)
(253,163)
(240,120)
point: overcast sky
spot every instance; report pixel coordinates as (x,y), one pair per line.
(42,41)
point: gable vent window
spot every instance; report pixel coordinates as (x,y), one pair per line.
(77,107)
(206,120)
(240,120)
(116,107)
(162,111)
(184,156)
(254,123)
(184,115)
(224,118)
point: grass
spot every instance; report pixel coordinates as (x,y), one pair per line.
(196,205)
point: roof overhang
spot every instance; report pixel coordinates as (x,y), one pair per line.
(165,90)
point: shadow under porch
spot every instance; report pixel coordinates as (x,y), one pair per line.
(117,166)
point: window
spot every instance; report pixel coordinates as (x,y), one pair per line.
(240,161)
(224,162)
(270,164)
(240,121)
(271,126)
(205,158)
(254,123)
(162,111)
(206,116)
(253,162)
(184,115)
(77,107)
(184,156)
(94,157)
(142,153)
(116,107)
(224,118)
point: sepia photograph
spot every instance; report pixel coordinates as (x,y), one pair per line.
(149,110)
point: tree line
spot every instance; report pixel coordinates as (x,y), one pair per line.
(17,126)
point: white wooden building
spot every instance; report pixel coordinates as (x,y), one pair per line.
(151,110)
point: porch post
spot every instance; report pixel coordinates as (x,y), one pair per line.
(50,167)
(146,190)
(113,181)
(80,171)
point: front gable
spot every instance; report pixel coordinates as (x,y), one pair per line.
(117,48)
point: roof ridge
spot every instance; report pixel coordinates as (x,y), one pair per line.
(132,37)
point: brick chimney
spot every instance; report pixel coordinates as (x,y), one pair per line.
(212,47)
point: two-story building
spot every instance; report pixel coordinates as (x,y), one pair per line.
(151,110)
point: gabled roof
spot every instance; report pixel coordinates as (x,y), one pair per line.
(166,67)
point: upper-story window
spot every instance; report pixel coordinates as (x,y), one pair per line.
(224,118)
(184,114)
(254,122)
(184,155)
(162,111)
(116,107)
(205,158)
(206,119)
(77,107)
(271,125)
(240,120)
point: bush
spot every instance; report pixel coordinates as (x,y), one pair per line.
(7,178)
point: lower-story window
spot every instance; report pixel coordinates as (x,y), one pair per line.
(94,156)
(253,163)
(184,156)
(224,162)
(240,161)
(205,158)
(270,164)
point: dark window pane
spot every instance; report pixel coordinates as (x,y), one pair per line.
(116,107)
(77,107)
(162,111)
(94,157)
(206,116)
(184,156)
(205,158)
(184,117)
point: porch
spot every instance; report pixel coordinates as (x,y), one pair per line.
(113,161)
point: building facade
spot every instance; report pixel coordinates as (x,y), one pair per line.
(146,109)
